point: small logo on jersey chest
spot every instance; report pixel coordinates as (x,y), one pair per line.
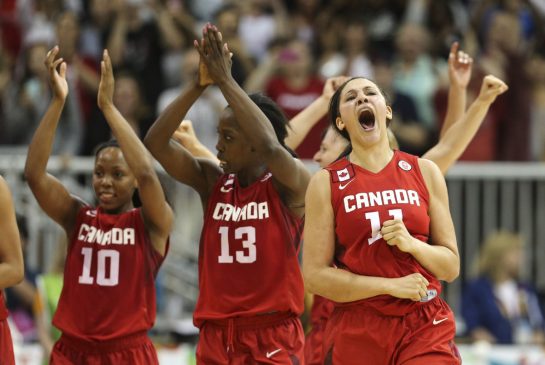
(404,165)
(343,175)
(228,184)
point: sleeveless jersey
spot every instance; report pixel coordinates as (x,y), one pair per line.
(362,201)
(248,253)
(3,309)
(109,277)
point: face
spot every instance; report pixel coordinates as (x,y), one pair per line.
(331,147)
(363,112)
(113,181)
(127,96)
(512,261)
(234,151)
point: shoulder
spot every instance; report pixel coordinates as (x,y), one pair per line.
(430,172)
(319,184)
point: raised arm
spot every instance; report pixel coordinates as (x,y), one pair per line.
(176,159)
(441,257)
(186,136)
(52,196)
(459,74)
(156,212)
(307,118)
(287,171)
(453,143)
(11,254)
(335,283)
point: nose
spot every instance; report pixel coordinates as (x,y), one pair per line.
(106,181)
(317,157)
(219,146)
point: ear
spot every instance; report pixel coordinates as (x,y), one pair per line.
(389,113)
(340,124)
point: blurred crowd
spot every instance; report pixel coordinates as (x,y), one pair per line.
(283,48)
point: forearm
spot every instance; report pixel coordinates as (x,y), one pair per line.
(343,286)
(455,107)
(439,260)
(457,138)
(161,131)
(41,145)
(134,151)
(251,120)
(11,273)
(302,123)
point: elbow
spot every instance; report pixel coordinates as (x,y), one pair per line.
(145,176)
(309,277)
(30,175)
(450,275)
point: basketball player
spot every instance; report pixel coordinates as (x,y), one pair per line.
(107,303)
(251,289)
(11,266)
(371,213)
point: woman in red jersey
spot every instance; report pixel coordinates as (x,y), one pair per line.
(11,266)
(251,289)
(107,303)
(372,213)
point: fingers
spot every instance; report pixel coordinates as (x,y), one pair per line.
(453,50)
(51,54)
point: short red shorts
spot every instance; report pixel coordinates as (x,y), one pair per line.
(319,314)
(359,335)
(266,339)
(136,349)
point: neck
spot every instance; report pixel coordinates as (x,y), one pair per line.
(373,158)
(248,176)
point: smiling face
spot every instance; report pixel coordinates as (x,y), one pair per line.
(362,112)
(234,151)
(113,181)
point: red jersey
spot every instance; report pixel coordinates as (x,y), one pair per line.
(3,309)
(362,201)
(109,277)
(292,101)
(248,253)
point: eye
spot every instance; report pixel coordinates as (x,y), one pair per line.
(350,97)
(228,138)
(99,173)
(118,175)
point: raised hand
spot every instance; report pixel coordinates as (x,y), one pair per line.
(395,233)
(491,88)
(57,77)
(185,134)
(106,86)
(214,54)
(413,287)
(459,66)
(332,84)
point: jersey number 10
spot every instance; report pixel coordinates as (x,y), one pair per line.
(104,257)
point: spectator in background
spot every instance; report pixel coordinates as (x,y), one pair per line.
(129,99)
(497,306)
(504,54)
(351,59)
(228,18)
(414,66)
(295,87)
(140,38)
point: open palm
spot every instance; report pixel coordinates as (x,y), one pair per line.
(459,66)
(57,74)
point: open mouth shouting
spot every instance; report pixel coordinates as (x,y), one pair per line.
(367,119)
